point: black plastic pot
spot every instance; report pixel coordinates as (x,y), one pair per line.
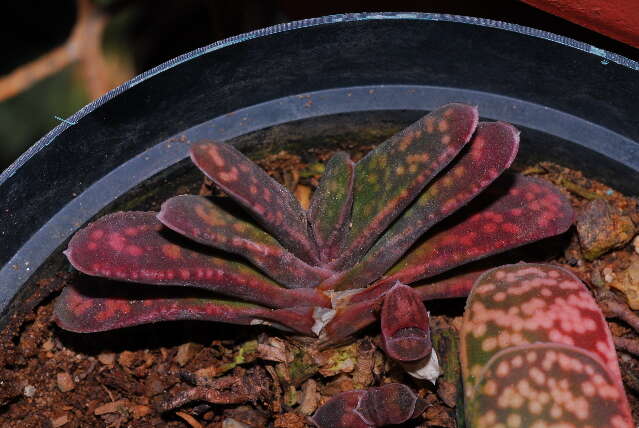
(348,77)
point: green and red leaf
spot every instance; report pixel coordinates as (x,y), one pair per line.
(270,203)
(391,176)
(330,210)
(204,221)
(490,152)
(392,403)
(527,303)
(514,211)
(361,309)
(100,308)
(405,325)
(134,247)
(547,385)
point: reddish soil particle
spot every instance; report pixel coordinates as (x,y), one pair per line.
(126,388)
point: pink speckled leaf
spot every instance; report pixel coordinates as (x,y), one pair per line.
(359,310)
(272,205)
(405,325)
(547,385)
(330,210)
(514,211)
(392,403)
(492,150)
(134,247)
(526,303)
(100,309)
(205,222)
(391,176)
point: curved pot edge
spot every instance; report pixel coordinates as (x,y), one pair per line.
(301,24)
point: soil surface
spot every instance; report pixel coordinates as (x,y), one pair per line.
(145,376)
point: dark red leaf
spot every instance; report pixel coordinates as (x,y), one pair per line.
(100,309)
(339,412)
(272,205)
(405,328)
(134,247)
(392,403)
(514,211)
(330,210)
(361,309)
(200,219)
(394,173)
(449,288)
(348,320)
(490,152)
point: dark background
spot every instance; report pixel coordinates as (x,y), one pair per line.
(141,34)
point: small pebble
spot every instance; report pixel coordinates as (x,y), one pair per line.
(635,244)
(65,382)
(29,391)
(608,274)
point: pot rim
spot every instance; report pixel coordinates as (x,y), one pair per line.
(12,279)
(301,24)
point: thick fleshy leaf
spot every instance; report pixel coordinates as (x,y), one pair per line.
(491,150)
(405,325)
(330,210)
(339,412)
(526,303)
(547,385)
(272,205)
(514,211)
(100,308)
(392,403)
(203,221)
(361,309)
(449,288)
(134,247)
(391,176)
(348,320)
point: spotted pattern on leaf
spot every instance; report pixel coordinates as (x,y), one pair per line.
(134,247)
(330,210)
(84,310)
(392,175)
(491,150)
(526,303)
(203,221)
(544,386)
(514,211)
(270,203)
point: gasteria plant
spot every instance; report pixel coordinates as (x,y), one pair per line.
(335,268)
(536,351)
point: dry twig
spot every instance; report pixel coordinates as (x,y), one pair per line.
(84,46)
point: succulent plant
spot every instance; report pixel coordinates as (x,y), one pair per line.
(536,351)
(372,228)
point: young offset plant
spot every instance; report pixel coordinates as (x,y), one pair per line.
(335,268)
(536,351)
